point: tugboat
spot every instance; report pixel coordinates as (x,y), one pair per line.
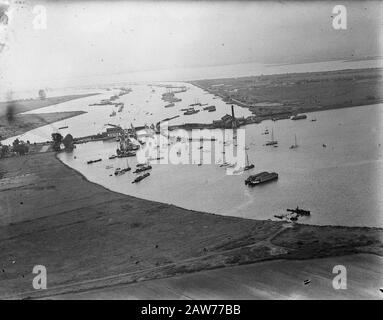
(196,103)
(139,178)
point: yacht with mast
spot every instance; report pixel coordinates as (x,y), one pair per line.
(272,142)
(248,165)
(295,145)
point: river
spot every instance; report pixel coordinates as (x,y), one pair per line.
(341,183)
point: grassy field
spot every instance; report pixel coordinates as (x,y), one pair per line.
(89,237)
(13,123)
(25,122)
(300,92)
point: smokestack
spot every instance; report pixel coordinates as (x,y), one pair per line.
(234,123)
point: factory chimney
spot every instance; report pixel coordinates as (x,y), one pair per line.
(234,122)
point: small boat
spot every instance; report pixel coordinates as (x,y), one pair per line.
(155,158)
(126,154)
(190,111)
(196,103)
(324,145)
(299,211)
(141,164)
(65,127)
(272,142)
(170,105)
(210,108)
(139,178)
(120,171)
(225,164)
(299,117)
(113,157)
(93,161)
(313,120)
(295,145)
(142,169)
(248,165)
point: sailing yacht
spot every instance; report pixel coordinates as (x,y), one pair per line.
(248,165)
(272,142)
(295,145)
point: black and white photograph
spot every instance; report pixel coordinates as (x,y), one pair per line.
(191,150)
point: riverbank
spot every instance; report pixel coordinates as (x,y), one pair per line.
(13,123)
(89,237)
(22,123)
(273,95)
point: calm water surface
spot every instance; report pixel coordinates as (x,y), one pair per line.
(341,184)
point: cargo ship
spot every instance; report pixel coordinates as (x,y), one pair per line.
(139,178)
(260,178)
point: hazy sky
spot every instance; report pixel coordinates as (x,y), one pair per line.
(87,38)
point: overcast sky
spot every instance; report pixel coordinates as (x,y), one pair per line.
(83,39)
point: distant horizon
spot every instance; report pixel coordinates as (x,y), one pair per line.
(367,63)
(48,42)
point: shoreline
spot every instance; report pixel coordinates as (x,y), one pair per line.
(95,238)
(298,92)
(23,123)
(13,114)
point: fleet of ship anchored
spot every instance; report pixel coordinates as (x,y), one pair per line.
(128,149)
